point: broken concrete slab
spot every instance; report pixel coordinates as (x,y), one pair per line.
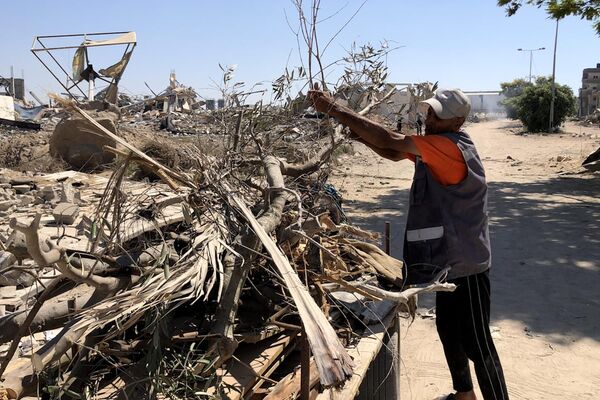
(8,292)
(5,205)
(68,194)
(65,213)
(26,200)
(22,189)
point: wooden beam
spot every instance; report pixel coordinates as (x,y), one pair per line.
(250,363)
(289,386)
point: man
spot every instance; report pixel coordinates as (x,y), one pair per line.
(399,123)
(447,226)
(419,123)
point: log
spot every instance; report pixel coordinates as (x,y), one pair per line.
(53,314)
(237,274)
(25,325)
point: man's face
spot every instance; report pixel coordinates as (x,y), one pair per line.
(432,122)
(435,125)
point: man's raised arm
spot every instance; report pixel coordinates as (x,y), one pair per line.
(382,140)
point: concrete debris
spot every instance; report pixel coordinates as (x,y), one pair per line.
(65,213)
(26,200)
(21,189)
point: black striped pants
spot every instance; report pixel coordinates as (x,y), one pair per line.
(462,319)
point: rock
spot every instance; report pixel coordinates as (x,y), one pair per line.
(77,142)
(65,213)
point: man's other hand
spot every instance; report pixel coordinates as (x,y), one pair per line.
(322,101)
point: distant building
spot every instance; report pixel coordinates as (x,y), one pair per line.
(14,87)
(487,102)
(589,94)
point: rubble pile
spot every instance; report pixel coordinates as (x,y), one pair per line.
(168,248)
(205,283)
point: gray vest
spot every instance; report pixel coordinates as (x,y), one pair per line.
(448,225)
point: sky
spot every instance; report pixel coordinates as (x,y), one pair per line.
(468,44)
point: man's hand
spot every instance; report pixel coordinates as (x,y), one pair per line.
(322,101)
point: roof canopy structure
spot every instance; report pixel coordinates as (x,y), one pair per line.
(44,47)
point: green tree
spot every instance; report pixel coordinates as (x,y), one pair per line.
(557,9)
(510,90)
(533,105)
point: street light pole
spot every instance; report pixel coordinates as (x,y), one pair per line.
(551,124)
(531,58)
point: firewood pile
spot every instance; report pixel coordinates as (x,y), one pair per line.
(203,284)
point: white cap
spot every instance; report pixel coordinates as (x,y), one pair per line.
(449,103)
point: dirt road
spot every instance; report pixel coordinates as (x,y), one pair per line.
(545,231)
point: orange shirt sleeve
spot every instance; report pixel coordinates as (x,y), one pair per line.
(443,158)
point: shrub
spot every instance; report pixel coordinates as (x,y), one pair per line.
(510,90)
(533,105)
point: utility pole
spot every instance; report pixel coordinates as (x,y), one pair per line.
(551,124)
(531,58)
(12,81)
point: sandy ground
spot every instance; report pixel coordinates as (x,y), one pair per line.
(545,230)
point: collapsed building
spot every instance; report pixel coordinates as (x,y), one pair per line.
(175,98)
(14,109)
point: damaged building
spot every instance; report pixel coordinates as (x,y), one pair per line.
(589,94)
(175,98)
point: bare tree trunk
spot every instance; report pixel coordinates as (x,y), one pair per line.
(238,272)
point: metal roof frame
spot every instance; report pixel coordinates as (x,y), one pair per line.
(39,47)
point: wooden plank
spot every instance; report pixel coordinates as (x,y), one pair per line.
(250,362)
(289,386)
(363,354)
